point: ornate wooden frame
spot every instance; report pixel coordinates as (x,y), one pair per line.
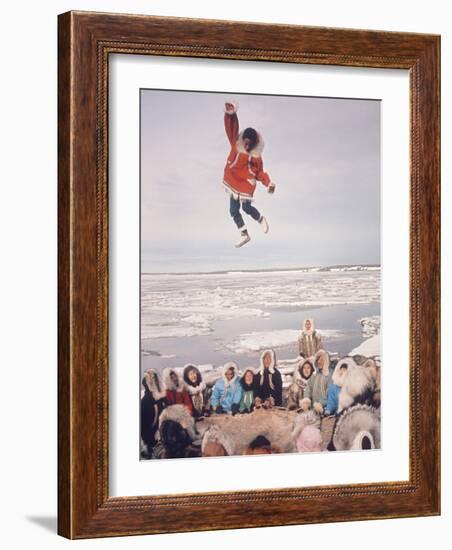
(85,42)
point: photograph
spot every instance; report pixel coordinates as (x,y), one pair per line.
(260,274)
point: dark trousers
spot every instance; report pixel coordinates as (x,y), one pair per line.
(234,209)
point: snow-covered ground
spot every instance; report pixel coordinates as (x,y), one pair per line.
(369,348)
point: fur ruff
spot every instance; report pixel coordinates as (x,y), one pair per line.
(353,424)
(271,368)
(358,386)
(298,377)
(247,387)
(216,435)
(193,389)
(326,368)
(312,329)
(154,384)
(181,415)
(226,367)
(256,151)
(169,384)
(339,374)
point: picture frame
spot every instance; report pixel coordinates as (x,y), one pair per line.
(85,42)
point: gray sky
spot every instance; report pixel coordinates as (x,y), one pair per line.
(323,154)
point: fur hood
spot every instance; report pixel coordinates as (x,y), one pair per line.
(198,386)
(256,151)
(215,434)
(258,148)
(328,362)
(245,386)
(169,384)
(338,376)
(226,367)
(298,377)
(312,329)
(181,415)
(153,384)
(271,368)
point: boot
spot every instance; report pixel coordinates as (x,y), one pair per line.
(244,238)
(263,223)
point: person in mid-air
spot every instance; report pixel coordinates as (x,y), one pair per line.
(243,168)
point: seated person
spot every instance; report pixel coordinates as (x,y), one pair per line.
(247,382)
(227,392)
(176,394)
(268,382)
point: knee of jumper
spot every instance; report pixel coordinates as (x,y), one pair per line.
(234,208)
(247,206)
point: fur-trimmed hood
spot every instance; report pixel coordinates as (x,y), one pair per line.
(272,366)
(226,367)
(258,148)
(216,435)
(245,386)
(198,386)
(181,415)
(298,376)
(169,384)
(256,151)
(153,384)
(311,331)
(338,374)
(326,367)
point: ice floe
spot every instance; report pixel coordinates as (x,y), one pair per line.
(185,305)
(257,341)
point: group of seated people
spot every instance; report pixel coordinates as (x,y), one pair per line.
(313,387)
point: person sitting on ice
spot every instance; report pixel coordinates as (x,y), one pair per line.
(268,382)
(341,370)
(196,389)
(302,373)
(243,168)
(227,391)
(309,342)
(317,388)
(176,393)
(216,443)
(247,382)
(152,403)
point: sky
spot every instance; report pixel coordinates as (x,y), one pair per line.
(322,153)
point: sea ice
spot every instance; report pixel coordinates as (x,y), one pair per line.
(257,341)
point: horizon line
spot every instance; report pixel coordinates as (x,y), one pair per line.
(258,270)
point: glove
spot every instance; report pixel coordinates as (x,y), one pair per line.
(230,107)
(318,407)
(271,188)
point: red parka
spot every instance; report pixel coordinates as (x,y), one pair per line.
(242,168)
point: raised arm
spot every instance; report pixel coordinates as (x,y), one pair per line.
(231,121)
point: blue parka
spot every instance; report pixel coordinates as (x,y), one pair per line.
(227,392)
